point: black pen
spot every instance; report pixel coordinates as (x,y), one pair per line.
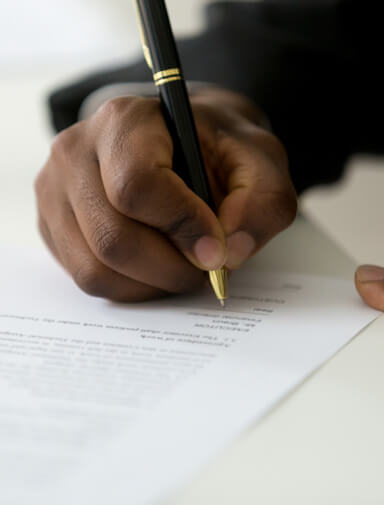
(161,54)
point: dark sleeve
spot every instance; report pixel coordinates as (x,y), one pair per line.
(311,66)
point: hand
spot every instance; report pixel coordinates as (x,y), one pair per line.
(127,228)
(369,280)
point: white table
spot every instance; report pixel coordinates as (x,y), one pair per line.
(322,445)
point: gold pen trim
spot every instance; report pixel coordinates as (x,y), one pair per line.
(170,72)
(168,79)
(147,52)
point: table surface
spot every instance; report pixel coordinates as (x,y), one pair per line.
(323,444)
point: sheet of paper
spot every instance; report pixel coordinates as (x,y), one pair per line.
(107,403)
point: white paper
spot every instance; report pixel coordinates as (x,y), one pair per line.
(106,403)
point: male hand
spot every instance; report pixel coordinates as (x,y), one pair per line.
(127,228)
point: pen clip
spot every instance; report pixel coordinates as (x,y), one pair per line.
(147,53)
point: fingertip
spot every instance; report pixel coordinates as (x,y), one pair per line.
(240,246)
(210,253)
(369,281)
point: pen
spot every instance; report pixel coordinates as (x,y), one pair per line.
(162,57)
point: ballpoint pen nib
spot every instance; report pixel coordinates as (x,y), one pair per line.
(219,281)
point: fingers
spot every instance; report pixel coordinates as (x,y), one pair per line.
(369,280)
(127,227)
(127,246)
(68,245)
(137,175)
(261,199)
(115,256)
(91,275)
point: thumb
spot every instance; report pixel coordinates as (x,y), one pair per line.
(369,280)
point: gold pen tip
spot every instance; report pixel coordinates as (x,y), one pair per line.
(222,303)
(218,280)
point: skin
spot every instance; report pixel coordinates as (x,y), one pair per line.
(127,228)
(369,281)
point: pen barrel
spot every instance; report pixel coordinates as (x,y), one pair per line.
(158,33)
(188,161)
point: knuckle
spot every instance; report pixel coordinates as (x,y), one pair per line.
(107,244)
(90,279)
(143,108)
(129,189)
(106,241)
(113,108)
(132,107)
(148,102)
(63,143)
(184,227)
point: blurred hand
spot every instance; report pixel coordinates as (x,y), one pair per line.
(369,280)
(127,228)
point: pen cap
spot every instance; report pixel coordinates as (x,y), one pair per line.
(158,34)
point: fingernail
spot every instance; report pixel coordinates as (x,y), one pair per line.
(210,253)
(240,246)
(370,273)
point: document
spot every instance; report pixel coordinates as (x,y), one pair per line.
(109,403)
